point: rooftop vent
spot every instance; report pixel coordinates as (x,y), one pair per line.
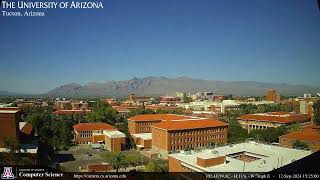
(187,152)
(215,152)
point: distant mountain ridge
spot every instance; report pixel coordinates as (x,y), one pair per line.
(166,86)
(7,93)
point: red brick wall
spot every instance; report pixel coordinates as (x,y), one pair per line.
(116,144)
(9,126)
(132,127)
(175,165)
(210,162)
(160,138)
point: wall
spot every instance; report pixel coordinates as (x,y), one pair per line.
(210,162)
(284,142)
(175,165)
(9,126)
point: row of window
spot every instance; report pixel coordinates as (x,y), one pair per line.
(183,147)
(197,132)
(144,129)
(174,141)
(85,142)
(85,135)
(146,124)
(84,132)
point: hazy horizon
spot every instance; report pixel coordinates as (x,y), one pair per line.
(105,81)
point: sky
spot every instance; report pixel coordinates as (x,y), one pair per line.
(246,40)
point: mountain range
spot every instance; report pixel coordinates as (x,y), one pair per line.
(150,86)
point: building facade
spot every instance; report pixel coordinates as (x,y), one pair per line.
(101,134)
(9,120)
(172,136)
(272,120)
(273,95)
(309,135)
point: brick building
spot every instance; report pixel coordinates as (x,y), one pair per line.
(101,134)
(9,120)
(273,95)
(172,136)
(169,100)
(22,132)
(166,133)
(143,123)
(309,135)
(272,120)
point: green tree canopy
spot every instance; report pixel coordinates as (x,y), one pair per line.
(316,112)
(300,145)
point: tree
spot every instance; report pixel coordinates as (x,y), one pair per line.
(133,159)
(157,166)
(294,127)
(12,145)
(300,145)
(316,112)
(119,162)
(235,132)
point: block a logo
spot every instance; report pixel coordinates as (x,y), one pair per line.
(7,173)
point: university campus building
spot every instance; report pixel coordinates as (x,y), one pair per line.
(22,132)
(309,135)
(166,133)
(99,135)
(242,157)
(272,120)
(172,136)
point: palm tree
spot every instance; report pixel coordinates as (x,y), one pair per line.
(119,162)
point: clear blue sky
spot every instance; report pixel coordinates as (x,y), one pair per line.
(232,40)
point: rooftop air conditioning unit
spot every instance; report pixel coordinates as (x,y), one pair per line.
(215,152)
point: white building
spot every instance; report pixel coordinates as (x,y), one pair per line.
(243,157)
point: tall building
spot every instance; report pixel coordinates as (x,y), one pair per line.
(9,120)
(273,95)
(166,133)
(22,132)
(173,136)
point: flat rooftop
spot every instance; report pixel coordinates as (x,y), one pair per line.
(254,157)
(161,117)
(280,117)
(144,136)
(9,111)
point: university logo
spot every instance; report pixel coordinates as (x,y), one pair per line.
(7,173)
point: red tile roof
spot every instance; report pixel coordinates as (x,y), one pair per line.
(189,124)
(120,108)
(309,133)
(159,117)
(280,117)
(27,128)
(93,126)
(156,107)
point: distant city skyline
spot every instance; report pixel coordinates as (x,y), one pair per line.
(264,41)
